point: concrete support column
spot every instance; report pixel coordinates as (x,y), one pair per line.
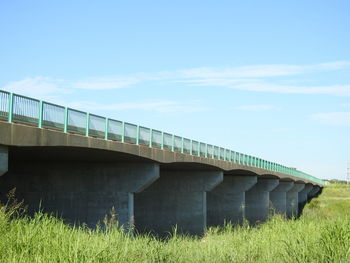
(4,159)
(292,199)
(226,202)
(81,192)
(302,197)
(258,199)
(178,198)
(278,197)
(314,192)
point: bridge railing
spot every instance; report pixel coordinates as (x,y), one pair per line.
(22,109)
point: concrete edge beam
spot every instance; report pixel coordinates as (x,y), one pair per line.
(23,135)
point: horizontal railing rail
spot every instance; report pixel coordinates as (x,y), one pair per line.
(22,109)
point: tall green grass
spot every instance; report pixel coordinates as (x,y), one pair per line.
(322,234)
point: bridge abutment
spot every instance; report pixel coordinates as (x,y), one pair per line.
(81,192)
(258,200)
(178,198)
(226,202)
(303,197)
(4,159)
(278,197)
(292,199)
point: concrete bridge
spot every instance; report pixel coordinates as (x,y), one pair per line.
(80,166)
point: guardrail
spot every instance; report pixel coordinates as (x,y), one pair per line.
(22,109)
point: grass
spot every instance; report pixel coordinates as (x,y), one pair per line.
(322,234)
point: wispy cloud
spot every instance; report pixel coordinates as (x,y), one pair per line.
(158,106)
(336,90)
(333,118)
(38,87)
(345,105)
(257,107)
(104,83)
(258,78)
(260,71)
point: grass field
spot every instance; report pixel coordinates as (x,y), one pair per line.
(322,234)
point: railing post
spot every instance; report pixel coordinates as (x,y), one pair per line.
(182,144)
(87,124)
(10,107)
(123,131)
(137,134)
(106,129)
(65,119)
(162,145)
(40,114)
(150,138)
(173,140)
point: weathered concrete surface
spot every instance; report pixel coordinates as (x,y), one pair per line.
(303,197)
(80,192)
(258,200)
(13,134)
(4,159)
(177,198)
(278,197)
(292,199)
(226,202)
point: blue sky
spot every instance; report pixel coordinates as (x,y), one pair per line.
(267,78)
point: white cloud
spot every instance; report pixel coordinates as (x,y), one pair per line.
(333,118)
(259,71)
(336,90)
(158,106)
(257,107)
(104,83)
(251,78)
(38,87)
(264,86)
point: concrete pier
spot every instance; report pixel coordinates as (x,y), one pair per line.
(178,198)
(303,197)
(80,192)
(4,158)
(226,202)
(278,197)
(258,200)
(314,192)
(292,199)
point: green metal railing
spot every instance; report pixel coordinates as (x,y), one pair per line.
(22,109)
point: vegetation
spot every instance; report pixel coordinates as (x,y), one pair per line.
(322,234)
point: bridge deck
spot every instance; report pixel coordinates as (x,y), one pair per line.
(29,122)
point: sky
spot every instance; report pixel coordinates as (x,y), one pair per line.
(266,78)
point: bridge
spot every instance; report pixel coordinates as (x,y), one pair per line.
(82,166)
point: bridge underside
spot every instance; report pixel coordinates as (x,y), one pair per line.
(84,185)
